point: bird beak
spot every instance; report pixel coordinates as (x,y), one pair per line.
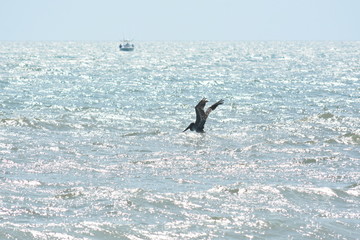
(187,128)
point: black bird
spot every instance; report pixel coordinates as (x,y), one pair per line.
(201,116)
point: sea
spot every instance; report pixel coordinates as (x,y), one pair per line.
(92,143)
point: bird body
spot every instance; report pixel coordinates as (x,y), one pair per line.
(201,115)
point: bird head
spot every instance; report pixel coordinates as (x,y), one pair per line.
(191,127)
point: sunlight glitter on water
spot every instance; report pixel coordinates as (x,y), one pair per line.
(91,142)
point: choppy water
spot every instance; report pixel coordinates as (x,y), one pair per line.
(91,142)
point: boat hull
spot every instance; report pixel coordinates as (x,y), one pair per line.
(126,49)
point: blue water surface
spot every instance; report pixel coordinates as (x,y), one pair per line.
(91,141)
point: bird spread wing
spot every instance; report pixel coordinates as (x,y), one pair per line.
(208,111)
(199,109)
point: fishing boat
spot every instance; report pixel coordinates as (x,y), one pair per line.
(126,46)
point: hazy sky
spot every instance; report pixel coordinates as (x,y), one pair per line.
(150,20)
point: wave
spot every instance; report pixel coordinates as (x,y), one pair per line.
(142,133)
(62,122)
(37,123)
(287,191)
(354,137)
(71,193)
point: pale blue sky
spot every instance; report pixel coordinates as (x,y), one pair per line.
(151,20)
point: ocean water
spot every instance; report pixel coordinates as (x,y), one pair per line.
(91,141)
